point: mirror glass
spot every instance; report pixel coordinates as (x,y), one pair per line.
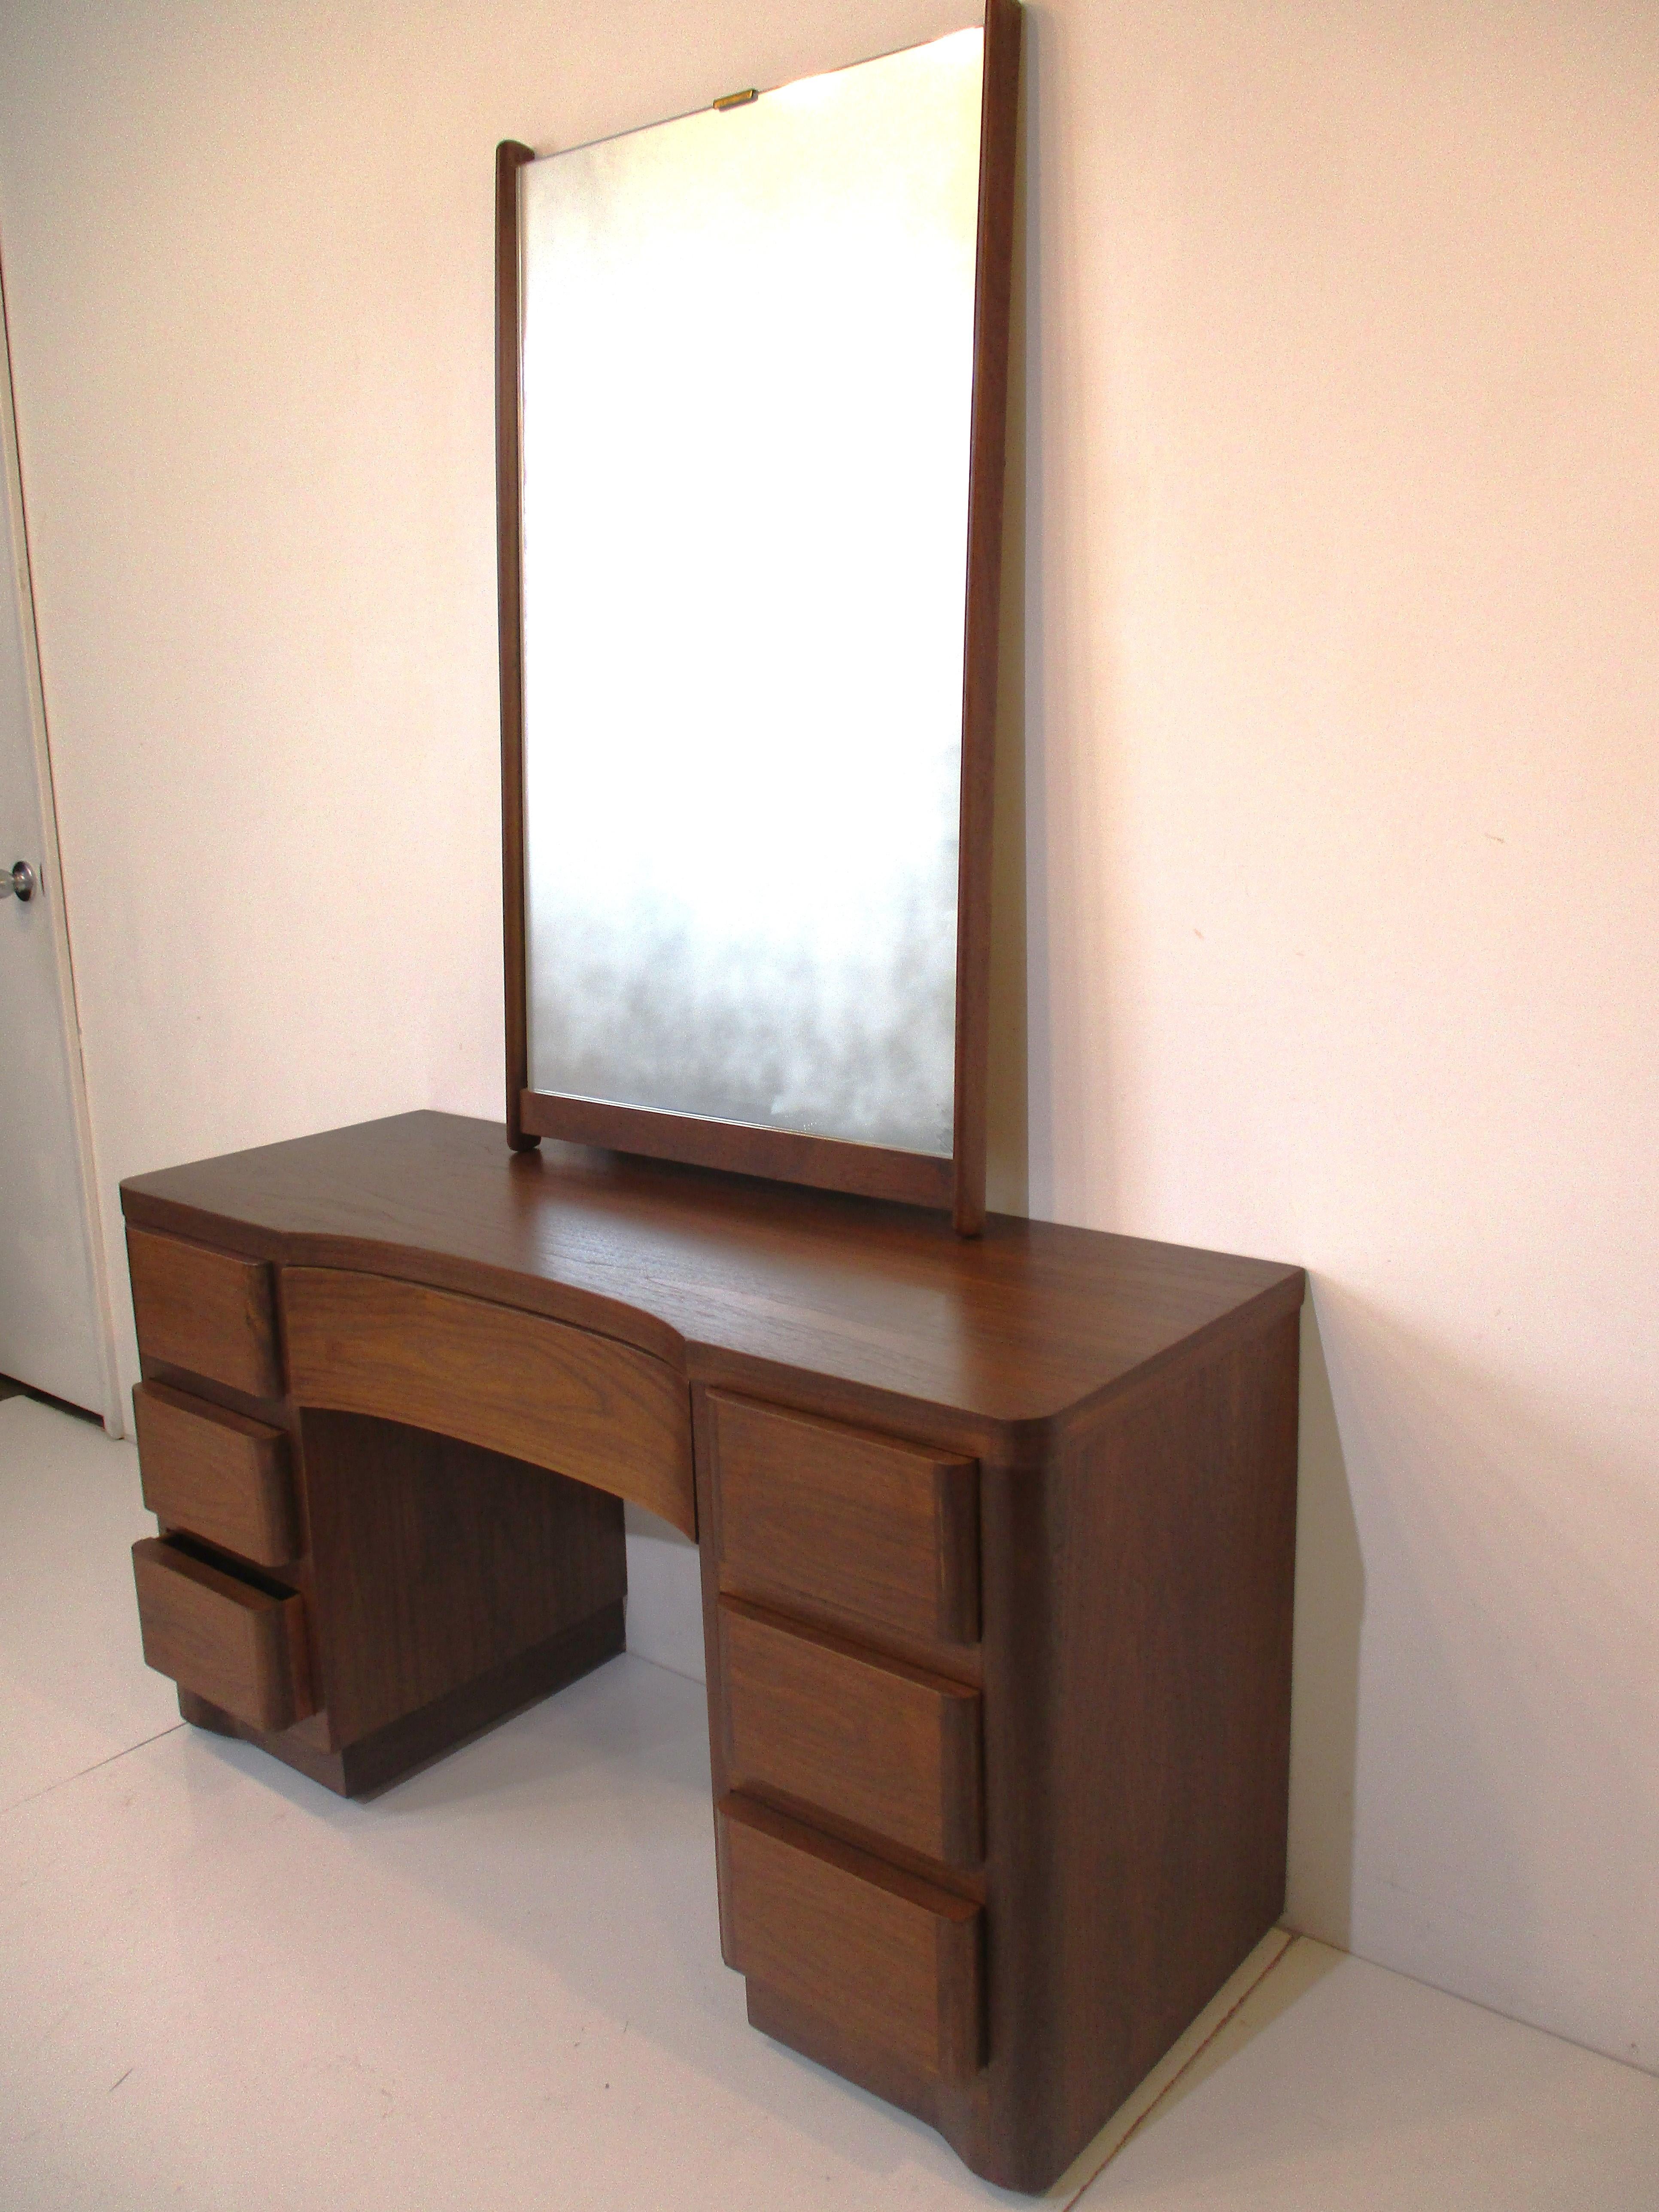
(747,378)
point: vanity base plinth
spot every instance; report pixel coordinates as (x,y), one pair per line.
(394,1752)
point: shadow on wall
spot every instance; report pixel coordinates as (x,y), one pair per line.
(1510,1520)
(1330,1605)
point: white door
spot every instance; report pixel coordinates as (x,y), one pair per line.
(54,1321)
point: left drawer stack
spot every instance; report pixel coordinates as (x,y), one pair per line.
(221,1483)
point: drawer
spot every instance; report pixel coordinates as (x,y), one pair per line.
(563,1398)
(885,1956)
(884,1745)
(217,1473)
(882,1532)
(208,1312)
(240,1646)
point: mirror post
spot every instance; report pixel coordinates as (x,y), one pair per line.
(510,158)
(992,297)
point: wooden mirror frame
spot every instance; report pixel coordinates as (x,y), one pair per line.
(832,1163)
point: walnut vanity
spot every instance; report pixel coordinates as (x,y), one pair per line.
(997,1540)
(996,1518)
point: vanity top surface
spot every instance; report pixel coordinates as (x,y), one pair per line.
(736,1280)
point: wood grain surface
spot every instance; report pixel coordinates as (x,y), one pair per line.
(878,1744)
(852,1939)
(857,1524)
(515,1382)
(741,1148)
(369,1762)
(1126,1413)
(986,475)
(205,1311)
(238,1645)
(1138,1605)
(439,1563)
(217,1473)
(993,1345)
(510,158)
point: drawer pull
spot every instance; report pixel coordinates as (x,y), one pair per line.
(217,1473)
(884,1745)
(882,1955)
(829,1517)
(241,1648)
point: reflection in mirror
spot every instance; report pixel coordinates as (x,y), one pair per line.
(747,381)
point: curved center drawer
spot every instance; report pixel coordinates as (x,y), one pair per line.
(538,1389)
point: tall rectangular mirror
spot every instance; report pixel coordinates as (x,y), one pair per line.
(753,368)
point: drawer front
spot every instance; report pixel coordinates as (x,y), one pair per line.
(208,1312)
(883,1955)
(222,1476)
(241,1648)
(515,1382)
(882,1532)
(885,1746)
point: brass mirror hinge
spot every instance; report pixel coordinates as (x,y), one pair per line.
(736,99)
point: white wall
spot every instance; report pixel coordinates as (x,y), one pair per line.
(1338,695)
(1344,800)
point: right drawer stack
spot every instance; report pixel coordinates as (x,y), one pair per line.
(852,1831)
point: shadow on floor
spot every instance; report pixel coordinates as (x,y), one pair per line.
(10,1389)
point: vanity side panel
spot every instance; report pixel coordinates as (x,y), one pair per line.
(1138,1694)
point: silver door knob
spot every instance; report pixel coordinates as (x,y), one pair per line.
(19,880)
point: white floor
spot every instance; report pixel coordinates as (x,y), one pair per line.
(500,1984)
